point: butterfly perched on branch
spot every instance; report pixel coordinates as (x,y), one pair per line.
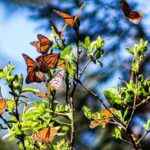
(43,44)
(46,135)
(37,68)
(102,118)
(2,103)
(133,16)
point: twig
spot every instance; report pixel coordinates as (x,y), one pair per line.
(84,68)
(5,121)
(143,136)
(144,101)
(133,108)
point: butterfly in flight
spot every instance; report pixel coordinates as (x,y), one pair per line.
(133,16)
(45,135)
(43,44)
(71,21)
(37,68)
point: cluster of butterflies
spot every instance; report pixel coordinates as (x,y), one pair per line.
(37,68)
(47,61)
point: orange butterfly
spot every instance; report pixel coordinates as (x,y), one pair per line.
(133,16)
(46,135)
(2,105)
(43,44)
(71,21)
(34,73)
(106,115)
(36,69)
(47,61)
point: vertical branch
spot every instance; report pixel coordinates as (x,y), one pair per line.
(67,86)
(71,99)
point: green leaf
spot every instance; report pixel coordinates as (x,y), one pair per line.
(87,42)
(7,72)
(139,48)
(87,112)
(69,58)
(113,96)
(147,125)
(117,133)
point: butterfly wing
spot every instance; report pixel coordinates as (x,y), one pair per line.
(43,44)
(47,61)
(33,74)
(2,105)
(45,135)
(36,44)
(56,82)
(134,17)
(125,8)
(69,20)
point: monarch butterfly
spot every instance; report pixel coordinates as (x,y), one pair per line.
(2,105)
(47,61)
(105,117)
(36,69)
(43,44)
(133,16)
(46,135)
(71,21)
(34,74)
(57,80)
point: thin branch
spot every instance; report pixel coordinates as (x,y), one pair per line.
(144,101)
(143,137)
(101,101)
(84,68)
(5,121)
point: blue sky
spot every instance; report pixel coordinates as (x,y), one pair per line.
(17,31)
